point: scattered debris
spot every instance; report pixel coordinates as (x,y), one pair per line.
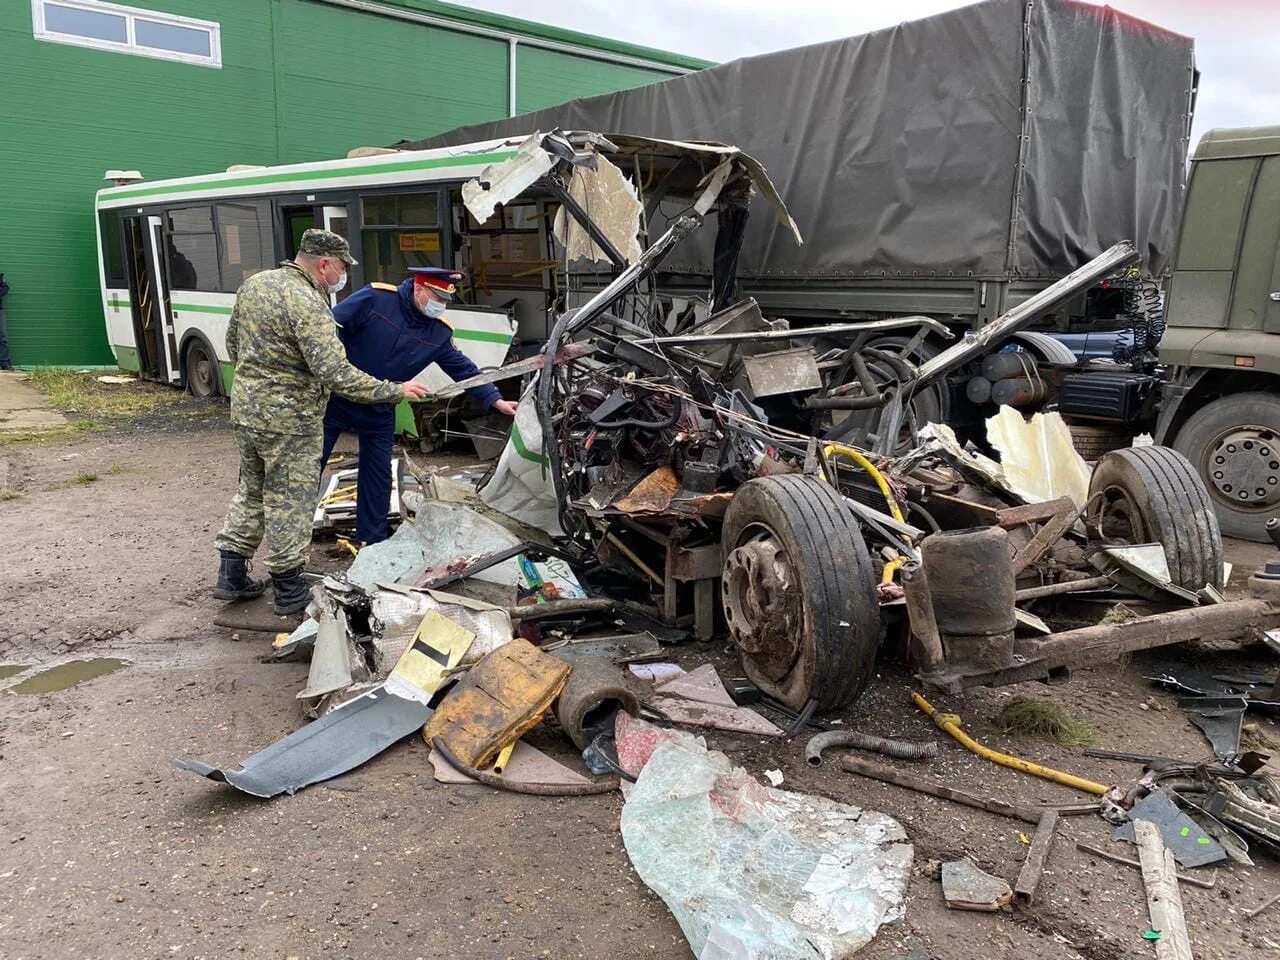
(1164,901)
(1024,888)
(809,875)
(965,887)
(1116,858)
(1190,845)
(498,700)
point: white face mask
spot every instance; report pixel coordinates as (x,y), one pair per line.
(342,282)
(433,308)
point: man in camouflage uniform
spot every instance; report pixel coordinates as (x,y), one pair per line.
(287,356)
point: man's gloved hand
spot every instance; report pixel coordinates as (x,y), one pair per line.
(413,390)
(505,406)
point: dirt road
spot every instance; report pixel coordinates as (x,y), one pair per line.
(106,851)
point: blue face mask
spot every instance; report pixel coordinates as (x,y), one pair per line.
(433,308)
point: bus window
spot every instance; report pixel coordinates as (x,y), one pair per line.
(112,252)
(247,245)
(399,231)
(192,250)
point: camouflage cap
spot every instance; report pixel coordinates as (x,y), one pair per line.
(322,243)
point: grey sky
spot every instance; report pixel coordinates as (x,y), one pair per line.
(1237,41)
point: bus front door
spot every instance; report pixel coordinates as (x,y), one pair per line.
(149,298)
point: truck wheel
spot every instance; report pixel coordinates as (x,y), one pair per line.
(799,591)
(1234,443)
(1092,442)
(1153,495)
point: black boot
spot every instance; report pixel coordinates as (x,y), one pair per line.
(292,592)
(233,578)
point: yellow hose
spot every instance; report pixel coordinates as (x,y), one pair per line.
(856,456)
(895,511)
(949,723)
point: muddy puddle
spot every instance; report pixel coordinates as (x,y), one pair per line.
(7,670)
(66,675)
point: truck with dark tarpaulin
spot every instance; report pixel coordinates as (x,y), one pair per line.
(954,166)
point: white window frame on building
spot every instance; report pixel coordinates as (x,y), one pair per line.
(131,44)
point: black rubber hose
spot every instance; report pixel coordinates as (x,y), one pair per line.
(677,409)
(901,749)
(533,789)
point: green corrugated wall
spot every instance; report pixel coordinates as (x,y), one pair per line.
(300,80)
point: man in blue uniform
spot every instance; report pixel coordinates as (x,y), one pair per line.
(393,333)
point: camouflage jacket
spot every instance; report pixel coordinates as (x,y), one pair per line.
(287,356)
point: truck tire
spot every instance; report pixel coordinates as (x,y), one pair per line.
(1153,495)
(1092,442)
(799,591)
(1234,444)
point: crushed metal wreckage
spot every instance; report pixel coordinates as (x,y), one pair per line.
(676,475)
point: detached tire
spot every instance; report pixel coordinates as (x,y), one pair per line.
(1092,442)
(1234,444)
(799,592)
(1153,495)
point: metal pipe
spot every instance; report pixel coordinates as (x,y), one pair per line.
(920,617)
(631,555)
(845,403)
(1007,324)
(1067,586)
(898,749)
(800,333)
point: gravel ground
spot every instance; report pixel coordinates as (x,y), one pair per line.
(109,852)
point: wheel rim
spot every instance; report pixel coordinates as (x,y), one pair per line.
(763,609)
(200,372)
(1242,468)
(1118,518)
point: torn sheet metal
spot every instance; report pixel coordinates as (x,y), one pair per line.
(1144,569)
(1191,846)
(520,485)
(621,648)
(401,611)
(1220,720)
(527,765)
(437,649)
(752,871)
(733,719)
(1037,458)
(500,182)
(778,372)
(610,200)
(965,887)
(498,700)
(339,741)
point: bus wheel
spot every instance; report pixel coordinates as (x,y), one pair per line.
(1234,443)
(202,371)
(799,592)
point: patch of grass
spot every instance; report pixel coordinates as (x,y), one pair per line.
(116,468)
(74,391)
(84,479)
(7,494)
(68,431)
(1024,717)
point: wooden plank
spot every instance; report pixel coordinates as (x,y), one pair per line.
(1045,538)
(1032,512)
(1164,902)
(1024,890)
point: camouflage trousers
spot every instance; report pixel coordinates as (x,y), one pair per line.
(279,474)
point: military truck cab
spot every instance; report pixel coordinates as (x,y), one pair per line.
(1221,404)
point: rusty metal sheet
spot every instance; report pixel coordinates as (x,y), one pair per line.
(652,494)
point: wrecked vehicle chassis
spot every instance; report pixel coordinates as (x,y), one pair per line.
(719,470)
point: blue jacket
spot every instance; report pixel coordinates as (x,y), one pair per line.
(386,335)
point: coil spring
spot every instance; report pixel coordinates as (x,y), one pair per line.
(1144,313)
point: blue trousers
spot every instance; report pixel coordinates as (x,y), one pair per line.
(376,431)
